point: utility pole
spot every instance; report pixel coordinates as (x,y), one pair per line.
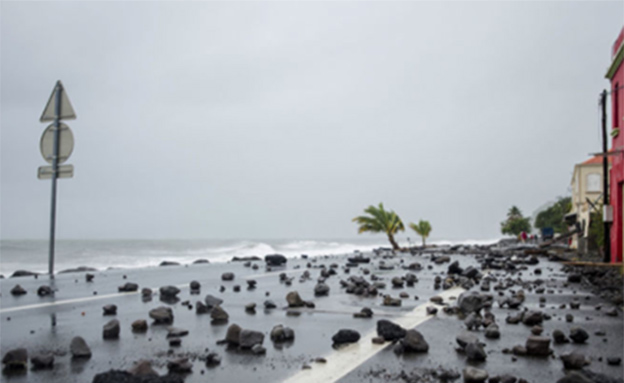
(605,178)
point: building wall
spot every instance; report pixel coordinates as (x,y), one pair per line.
(581,190)
(616,75)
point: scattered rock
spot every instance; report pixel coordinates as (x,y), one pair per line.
(169,263)
(280,333)
(109,310)
(195,287)
(538,345)
(275,260)
(227,276)
(346,336)
(42,361)
(128,287)
(201,308)
(414,342)
(389,331)
(474,375)
(559,337)
(250,338)
(111,330)
(213,359)
(212,301)
(232,336)
(321,289)
(389,301)
(364,313)
(16,359)
(161,315)
(218,315)
(169,291)
(492,332)
(180,365)
(614,361)
(574,361)
(139,325)
(578,335)
(142,368)
(174,332)
(79,348)
(475,352)
(24,273)
(294,300)
(18,290)
(44,291)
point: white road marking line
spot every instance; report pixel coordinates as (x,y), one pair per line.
(98,297)
(343,361)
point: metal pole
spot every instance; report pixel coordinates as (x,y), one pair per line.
(605,176)
(57,133)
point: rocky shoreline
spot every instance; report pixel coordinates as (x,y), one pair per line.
(500,279)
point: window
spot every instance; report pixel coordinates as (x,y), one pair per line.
(593,182)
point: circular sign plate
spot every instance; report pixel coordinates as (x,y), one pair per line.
(66,143)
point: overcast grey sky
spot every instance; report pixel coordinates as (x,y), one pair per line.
(286,120)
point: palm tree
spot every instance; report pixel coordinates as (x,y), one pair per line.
(380,221)
(423,229)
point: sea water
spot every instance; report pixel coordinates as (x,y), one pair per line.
(32,255)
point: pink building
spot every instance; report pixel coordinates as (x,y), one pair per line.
(616,198)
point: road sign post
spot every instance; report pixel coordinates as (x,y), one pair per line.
(57,108)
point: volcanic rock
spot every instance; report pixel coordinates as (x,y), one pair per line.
(180,365)
(110,310)
(574,361)
(142,368)
(41,361)
(475,352)
(280,333)
(346,336)
(389,301)
(321,289)
(169,263)
(474,375)
(294,300)
(128,287)
(227,276)
(414,342)
(201,308)
(169,291)
(578,335)
(79,348)
(275,260)
(218,315)
(161,314)
(538,345)
(111,330)
(139,325)
(18,290)
(212,301)
(16,359)
(364,313)
(232,336)
(44,291)
(250,338)
(389,331)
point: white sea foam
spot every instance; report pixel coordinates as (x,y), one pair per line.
(103,254)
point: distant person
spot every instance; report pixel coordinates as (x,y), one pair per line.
(523,236)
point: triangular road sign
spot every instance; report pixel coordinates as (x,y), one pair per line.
(67,112)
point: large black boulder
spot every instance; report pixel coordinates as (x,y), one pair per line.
(389,331)
(275,259)
(346,336)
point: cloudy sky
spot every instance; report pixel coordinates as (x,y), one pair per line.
(287,119)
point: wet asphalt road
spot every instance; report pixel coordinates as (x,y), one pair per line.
(27,321)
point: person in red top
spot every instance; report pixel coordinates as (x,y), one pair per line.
(523,235)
